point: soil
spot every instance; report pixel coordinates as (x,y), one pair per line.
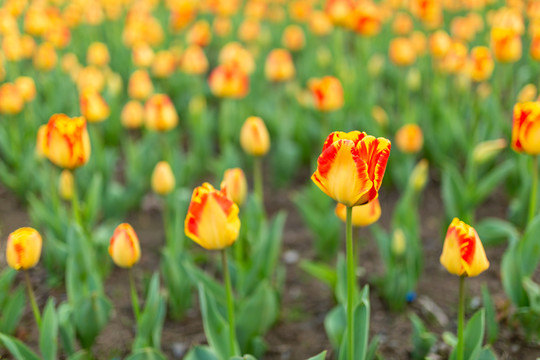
(299,333)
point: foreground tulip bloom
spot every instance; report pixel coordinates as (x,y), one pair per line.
(362,215)
(124,246)
(163,180)
(228,81)
(160,114)
(23,248)
(212,220)
(351,167)
(327,93)
(463,252)
(235,183)
(67,143)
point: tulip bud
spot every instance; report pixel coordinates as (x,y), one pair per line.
(362,215)
(235,183)
(142,55)
(45,57)
(380,116)
(11,99)
(193,61)
(197,105)
(97,54)
(140,85)
(93,106)
(234,54)
(375,65)
(222,26)
(160,113)
(320,24)
(199,34)
(67,143)
(409,138)
(254,137)
(163,65)
(327,93)
(163,181)
(399,242)
(124,246)
(528,93)
(23,248)
(279,66)
(228,81)
(132,116)
(419,175)
(293,38)
(27,87)
(414,79)
(66,185)
(487,150)
(525,133)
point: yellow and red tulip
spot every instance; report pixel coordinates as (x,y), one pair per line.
(27,87)
(293,38)
(254,137)
(235,183)
(132,116)
(320,24)
(481,64)
(93,106)
(526,128)
(193,61)
(11,99)
(234,54)
(164,64)
(163,181)
(327,93)
(140,85)
(98,54)
(228,81)
(409,138)
(402,51)
(199,34)
(362,215)
(159,113)
(67,143)
(279,66)
(124,246)
(23,248)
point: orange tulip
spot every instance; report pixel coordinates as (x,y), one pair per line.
(320,24)
(327,93)
(279,66)
(12,47)
(234,54)
(481,64)
(124,246)
(23,248)
(366,19)
(212,219)
(362,215)
(45,57)
(293,38)
(11,99)
(159,113)
(89,77)
(142,55)
(351,167)
(182,13)
(402,24)
(193,61)
(428,11)
(300,10)
(463,252)
(439,44)
(254,137)
(506,44)
(28,46)
(409,139)
(163,181)
(132,116)
(27,87)
(222,26)
(140,85)
(339,11)
(402,51)
(93,106)
(164,64)
(235,183)
(98,54)
(228,81)
(535,47)
(66,185)
(455,60)
(199,34)
(249,30)
(67,143)
(526,128)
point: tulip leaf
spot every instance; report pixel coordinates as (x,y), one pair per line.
(146,354)
(245,357)
(422,339)
(533,292)
(361,333)
(530,247)
(91,316)
(334,324)
(12,310)
(48,333)
(19,350)
(150,323)
(486,184)
(492,326)
(452,187)
(473,336)
(487,354)
(201,353)
(80,355)
(178,283)
(93,200)
(494,231)
(320,271)
(67,329)
(321,356)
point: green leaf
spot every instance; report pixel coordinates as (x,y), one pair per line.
(146,354)
(321,356)
(12,310)
(486,184)
(48,333)
(371,353)
(452,191)
(473,336)
(487,354)
(91,317)
(422,339)
(67,329)
(80,355)
(245,357)
(150,323)
(533,292)
(334,324)
(361,333)
(93,198)
(494,231)
(320,271)
(492,326)
(17,348)
(201,353)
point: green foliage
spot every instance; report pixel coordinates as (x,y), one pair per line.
(473,337)
(12,302)
(422,339)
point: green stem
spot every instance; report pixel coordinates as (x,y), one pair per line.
(257,179)
(134,296)
(350,284)
(534,189)
(32,297)
(230,304)
(75,202)
(461,318)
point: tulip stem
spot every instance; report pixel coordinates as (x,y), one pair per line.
(75,202)
(534,190)
(257,179)
(134,296)
(230,304)
(32,297)
(350,285)
(461,318)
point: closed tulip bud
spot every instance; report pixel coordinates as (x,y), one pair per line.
(222,26)
(254,137)
(98,54)
(414,79)
(526,128)
(69,63)
(228,81)
(487,150)
(339,11)
(402,24)
(279,66)
(409,139)
(197,105)
(163,181)
(463,252)
(66,185)
(45,57)
(320,24)
(212,219)
(199,34)
(375,65)
(481,64)
(528,93)
(93,106)
(249,30)
(67,143)
(11,99)
(351,167)
(163,65)
(293,38)
(193,61)
(402,52)
(362,215)
(234,54)
(132,116)
(23,248)
(27,87)
(366,19)
(399,242)
(439,44)
(36,21)
(142,55)
(380,116)
(506,44)
(182,13)
(41,141)
(140,85)
(419,175)
(124,246)
(159,113)
(327,93)
(419,42)
(235,183)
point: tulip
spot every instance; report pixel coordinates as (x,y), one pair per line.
(140,85)
(212,219)
(66,185)
(235,183)
(132,116)
(339,11)
(399,242)
(419,175)
(89,77)
(193,61)
(327,93)
(159,113)
(67,143)
(402,51)
(366,19)
(380,116)
(234,54)
(27,87)
(93,106)
(142,55)
(402,24)
(182,14)
(439,44)
(320,24)
(69,63)
(293,38)
(11,99)
(528,93)
(163,181)
(279,66)
(200,34)
(23,248)
(222,26)
(228,81)
(41,141)
(526,128)
(455,60)
(506,44)
(481,64)
(487,150)
(419,42)
(428,11)
(362,215)
(254,137)
(45,57)
(98,54)
(164,64)
(409,139)
(124,246)
(535,47)
(249,30)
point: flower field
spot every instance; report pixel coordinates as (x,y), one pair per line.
(269,179)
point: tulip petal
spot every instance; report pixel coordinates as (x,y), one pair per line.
(375,152)
(355,136)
